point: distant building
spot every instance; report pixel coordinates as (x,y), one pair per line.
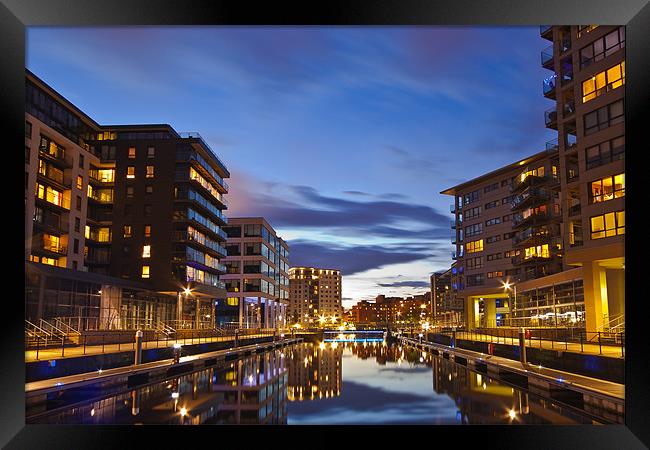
(315,295)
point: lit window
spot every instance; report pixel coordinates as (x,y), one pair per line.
(608,188)
(145,271)
(130,172)
(607,225)
(149,171)
(602,82)
(147,231)
(87,232)
(80,182)
(128,231)
(146,251)
(131,152)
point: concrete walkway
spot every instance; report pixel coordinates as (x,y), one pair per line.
(611,351)
(76,351)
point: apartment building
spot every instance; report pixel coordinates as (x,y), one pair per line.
(540,242)
(256,279)
(315,295)
(446,308)
(138,203)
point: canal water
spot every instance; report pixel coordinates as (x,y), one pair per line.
(328,383)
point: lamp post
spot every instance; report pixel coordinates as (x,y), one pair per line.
(507,287)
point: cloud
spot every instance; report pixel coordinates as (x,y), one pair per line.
(349,260)
(413,284)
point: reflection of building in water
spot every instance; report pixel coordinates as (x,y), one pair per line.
(251,390)
(379,350)
(482,400)
(315,371)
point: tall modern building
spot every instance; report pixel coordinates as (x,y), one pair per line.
(315,295)
(138,203)
(256,280)
(540,242)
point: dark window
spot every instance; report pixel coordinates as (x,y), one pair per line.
(81,161)
(128,210)
(147,210)
(28,129)
(75,247)
(149,189)
(605,152)
(151,152)
(129,191)
(604,117)
(77,224)
(232,231)
(74,265)
(27,154)
(78,203)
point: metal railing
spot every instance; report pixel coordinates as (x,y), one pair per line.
(554,338)
(116,341)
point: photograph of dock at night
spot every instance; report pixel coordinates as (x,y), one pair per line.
(325,225)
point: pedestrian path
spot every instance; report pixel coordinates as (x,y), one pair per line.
(76,351)
(611,351)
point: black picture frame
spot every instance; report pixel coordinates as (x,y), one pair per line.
(15,15)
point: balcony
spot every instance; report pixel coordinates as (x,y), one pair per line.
(548,87)
(546,31)
(53,177)
(536,236)
(52,224)
(565,44)
(197,136)
(532,180)
(48,246)
(528,197)
(55,155)
(552,145)
(184,236)
(547,57)
(550,118)
(575,240)
(103,196)
(454,208)
(540,217)
(521,259)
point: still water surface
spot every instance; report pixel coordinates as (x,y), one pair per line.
(326,383)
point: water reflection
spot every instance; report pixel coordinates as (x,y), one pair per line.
(324,383)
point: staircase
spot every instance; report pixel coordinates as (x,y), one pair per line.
(49,334)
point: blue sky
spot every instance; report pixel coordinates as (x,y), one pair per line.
(341,137)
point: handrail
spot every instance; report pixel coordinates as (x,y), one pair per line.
(61,332)
(36,327)
(69,330)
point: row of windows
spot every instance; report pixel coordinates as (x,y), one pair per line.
(471,197)
(472,213)
(492,204)
(491,187)
(602,82)
(130,172)
(151,152)
(127,231)
(607,188)
(605,152)
(607,225)
(495,221)
(604,117)
(602,47)
(474,246)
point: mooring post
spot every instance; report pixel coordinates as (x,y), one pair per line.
(522,345)
(138,347)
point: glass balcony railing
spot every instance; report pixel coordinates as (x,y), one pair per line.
(552,145)
(550,117)
(547,57)
(549,86)
(195,135)
(546,31)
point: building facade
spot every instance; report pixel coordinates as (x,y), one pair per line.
(315,296)
(540,242)
(256,278)
(446,309)
(140,203)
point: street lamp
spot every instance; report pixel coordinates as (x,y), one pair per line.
(506,286)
